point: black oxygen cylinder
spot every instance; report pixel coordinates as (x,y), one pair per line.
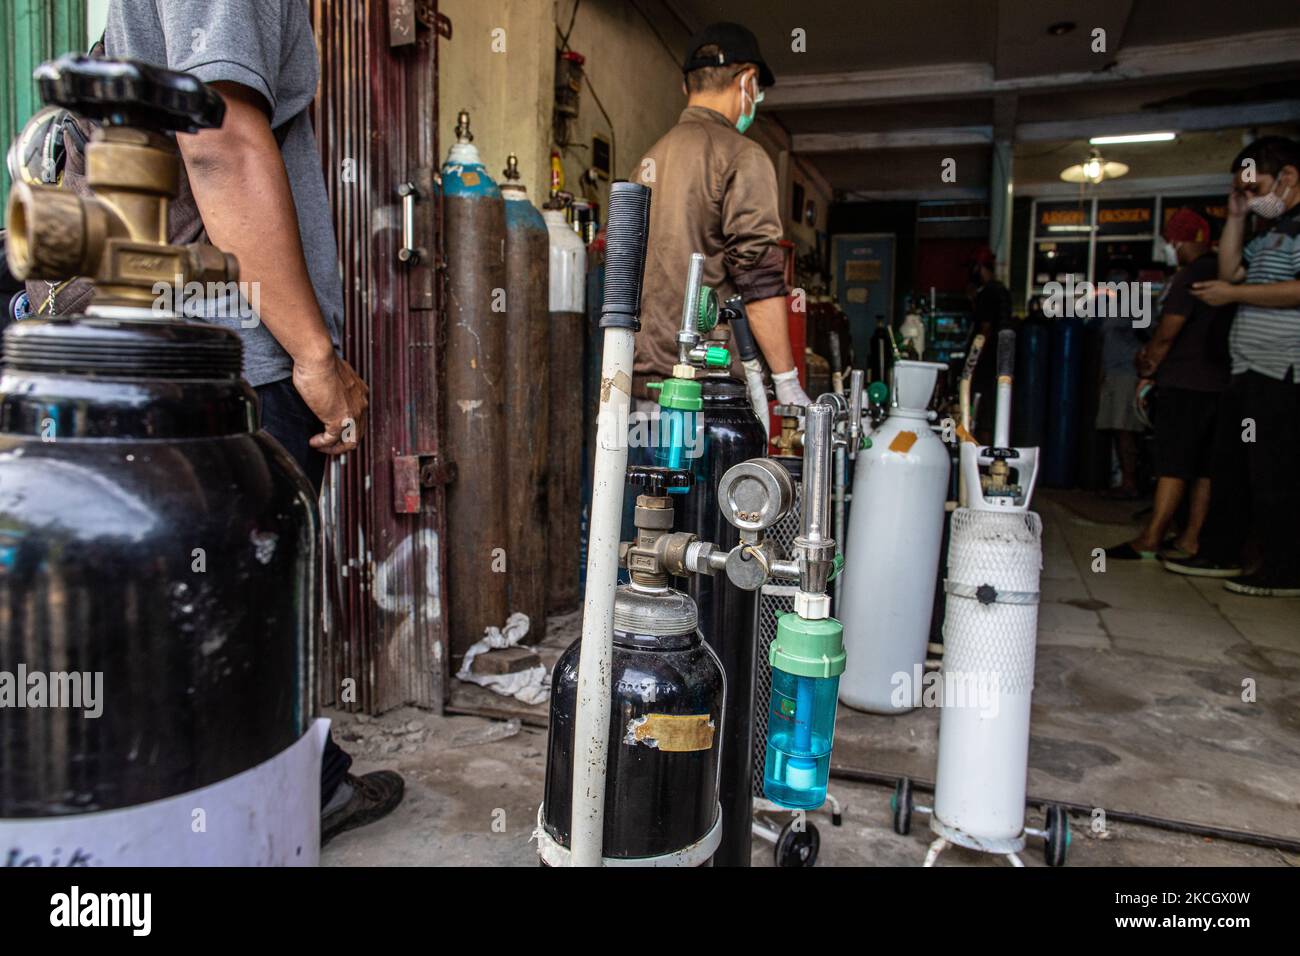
(665,739)
(158,551)
(150,534)
(728,615)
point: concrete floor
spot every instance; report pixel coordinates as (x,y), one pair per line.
(1137,707)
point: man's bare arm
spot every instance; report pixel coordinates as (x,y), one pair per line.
(770,324)
(243,194)
(1230,242)
(1267,295)
(1154,352)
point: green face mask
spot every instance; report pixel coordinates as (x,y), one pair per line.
(746,120)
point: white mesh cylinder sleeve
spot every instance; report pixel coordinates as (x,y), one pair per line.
(989,634)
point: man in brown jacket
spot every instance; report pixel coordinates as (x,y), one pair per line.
(715,192)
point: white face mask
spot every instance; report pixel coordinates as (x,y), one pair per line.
(1270,205)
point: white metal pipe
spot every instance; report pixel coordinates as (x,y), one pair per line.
(1006,369)
(591,727)
(1002,423)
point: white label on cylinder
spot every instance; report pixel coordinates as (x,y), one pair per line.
(269,815)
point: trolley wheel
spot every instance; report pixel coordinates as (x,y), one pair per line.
(901,804)
(1056,840)
(797,847)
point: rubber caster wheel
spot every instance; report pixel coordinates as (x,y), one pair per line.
(797,847)
(901,804)
(1056,842)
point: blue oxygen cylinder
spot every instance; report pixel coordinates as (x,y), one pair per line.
(1060,449)
(1032,366)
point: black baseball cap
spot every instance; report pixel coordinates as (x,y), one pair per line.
(735,45)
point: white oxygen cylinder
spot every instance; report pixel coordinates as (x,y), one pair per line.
(989,637)
(891,558)
(568,271)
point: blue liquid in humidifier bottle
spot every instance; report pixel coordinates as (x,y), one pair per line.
(678,433)
(800,731)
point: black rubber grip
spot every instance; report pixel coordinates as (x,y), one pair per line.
(627,227)
(746,347)
(1006,353)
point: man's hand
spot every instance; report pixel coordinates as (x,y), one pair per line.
(1215,292)
(338,397)
(1238,204)
(1146,368)
(788,389)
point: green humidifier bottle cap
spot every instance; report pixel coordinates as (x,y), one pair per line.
(680,393)
(878,392)
(808,648)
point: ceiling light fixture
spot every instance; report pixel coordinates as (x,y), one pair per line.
(1162,137)
(1095,170)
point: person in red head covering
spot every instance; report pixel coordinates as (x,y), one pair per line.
(1187,362)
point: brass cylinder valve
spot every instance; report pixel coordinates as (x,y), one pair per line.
(658,552)
(118,237)
(790,440)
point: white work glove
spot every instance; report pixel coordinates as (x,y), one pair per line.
(757,393)
(788,389)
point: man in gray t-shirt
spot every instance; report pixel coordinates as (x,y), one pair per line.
(259,190)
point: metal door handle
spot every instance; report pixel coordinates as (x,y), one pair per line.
(409,252)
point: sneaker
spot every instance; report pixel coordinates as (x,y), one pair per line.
(1203,567)
(1260,584)
(371,797)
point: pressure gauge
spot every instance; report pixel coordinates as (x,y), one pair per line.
(755,494)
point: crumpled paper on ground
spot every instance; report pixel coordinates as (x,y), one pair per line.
(532,686)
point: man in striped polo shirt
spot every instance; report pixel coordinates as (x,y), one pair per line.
(1257,475)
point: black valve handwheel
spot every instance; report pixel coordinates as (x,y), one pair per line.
(130,93)
(658,480)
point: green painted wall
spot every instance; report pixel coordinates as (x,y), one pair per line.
(33,31)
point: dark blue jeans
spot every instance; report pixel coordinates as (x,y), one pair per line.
(286,417)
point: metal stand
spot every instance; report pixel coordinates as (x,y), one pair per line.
(793,847)
(1055,834)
